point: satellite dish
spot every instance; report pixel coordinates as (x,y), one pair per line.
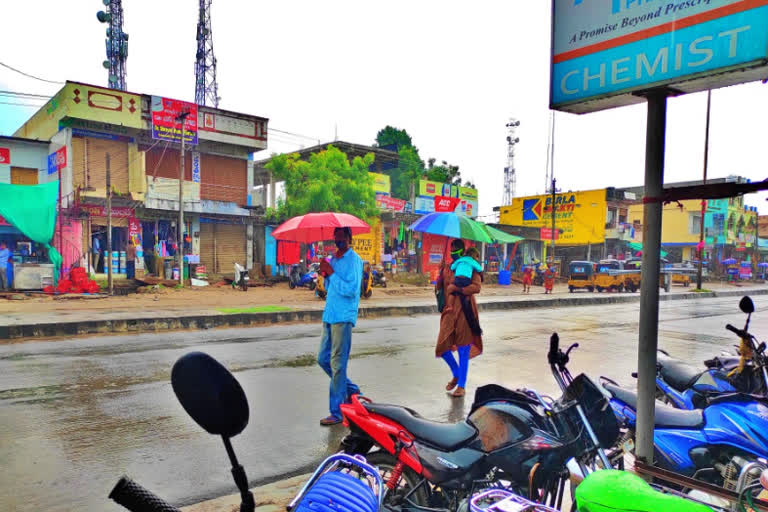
(112,79)
(105,2)
(105,64)
(103,17)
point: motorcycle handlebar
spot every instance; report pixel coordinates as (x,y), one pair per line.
(554,342)
(136,498)
(739,332)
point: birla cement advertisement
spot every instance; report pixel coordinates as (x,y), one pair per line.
(579,216)
(610,48)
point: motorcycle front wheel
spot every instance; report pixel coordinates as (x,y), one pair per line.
(408,481)
(291,285)
(312,285)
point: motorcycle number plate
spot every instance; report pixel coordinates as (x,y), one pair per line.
(628,446)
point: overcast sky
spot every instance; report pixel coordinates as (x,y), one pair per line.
(449,72)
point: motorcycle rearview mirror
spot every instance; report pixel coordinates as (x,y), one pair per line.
(210,394)
(215,400)
(746,305)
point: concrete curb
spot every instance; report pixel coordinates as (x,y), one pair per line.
(209,321)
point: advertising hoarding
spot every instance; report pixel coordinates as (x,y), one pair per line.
(579,216)
(165,125)
(381,183)
(603,51)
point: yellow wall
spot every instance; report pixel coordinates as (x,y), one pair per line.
(88,102)
(368,245)
(137,178)
(579,216)
(675,223)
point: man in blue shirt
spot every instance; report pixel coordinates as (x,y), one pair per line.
(4,255)
(343,276)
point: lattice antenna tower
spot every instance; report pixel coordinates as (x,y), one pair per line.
(206,87)
(510,174)
(117,43)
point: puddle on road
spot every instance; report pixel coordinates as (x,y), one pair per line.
(307,360)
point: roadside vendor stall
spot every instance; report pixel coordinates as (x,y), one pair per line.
(29,218)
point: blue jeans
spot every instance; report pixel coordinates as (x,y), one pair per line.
(460,370)
(332,358)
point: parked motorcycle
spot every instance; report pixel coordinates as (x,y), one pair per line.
(297,279)
(721,444)
(687,387)
(241,278)
(366,283)
(514,439)
(379,279)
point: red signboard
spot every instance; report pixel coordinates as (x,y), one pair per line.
(386,202)
(446,204)
(546,234)
(165,123)
(96,210)
(5,156)
(3,222)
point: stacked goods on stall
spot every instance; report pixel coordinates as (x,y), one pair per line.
(78,282)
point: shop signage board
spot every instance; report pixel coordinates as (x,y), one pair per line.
(165,125)
(435,188)
(381,183)
(446,204)
(579,216)
(196,167)
(386,202)
(5,156)
(546,234)
(604,51)
(57,160)
(97,210)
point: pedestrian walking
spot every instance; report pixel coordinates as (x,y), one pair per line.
(549,279)
(455,331)
(343,276)
(463,268)
(5,255)
(130,261)
(527,279)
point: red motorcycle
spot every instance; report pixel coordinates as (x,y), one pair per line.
(517,440)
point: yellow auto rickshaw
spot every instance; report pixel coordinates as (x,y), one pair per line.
(581,276)
(609,276)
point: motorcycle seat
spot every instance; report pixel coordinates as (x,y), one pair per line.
(446,436)
(676,373)
(666,416)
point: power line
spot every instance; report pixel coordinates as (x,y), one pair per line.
(270,129)
(25,95)
(28,75)
(20,104)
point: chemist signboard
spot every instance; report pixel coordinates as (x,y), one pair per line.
(606,51)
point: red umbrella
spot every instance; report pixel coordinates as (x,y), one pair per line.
(314,227)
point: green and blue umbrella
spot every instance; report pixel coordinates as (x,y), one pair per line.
(452,225)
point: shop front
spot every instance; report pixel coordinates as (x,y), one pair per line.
(95,225)
(28,265)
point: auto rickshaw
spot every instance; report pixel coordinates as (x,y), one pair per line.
(581,276)
(632,276)
(683,279)
(609,276)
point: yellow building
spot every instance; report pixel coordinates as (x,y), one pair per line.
(680,228)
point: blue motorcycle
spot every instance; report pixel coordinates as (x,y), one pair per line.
(724,444)
(687,387)
(297,279)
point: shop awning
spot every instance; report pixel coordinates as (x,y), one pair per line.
(501,237)
(637,246)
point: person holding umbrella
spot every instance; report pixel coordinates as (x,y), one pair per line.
(343,277)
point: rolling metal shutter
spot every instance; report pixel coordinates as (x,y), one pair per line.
(207,233)
(230,246)
(95,161)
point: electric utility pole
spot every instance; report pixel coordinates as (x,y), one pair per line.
(108,259)
(704,201)
(180,228)
(553,191)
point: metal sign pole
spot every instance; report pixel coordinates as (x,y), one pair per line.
(649,291)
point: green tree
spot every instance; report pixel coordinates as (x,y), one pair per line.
(390,135)
(444,173)
(327,182)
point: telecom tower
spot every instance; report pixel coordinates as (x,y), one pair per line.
(206,88)
(117,43)
(510,174)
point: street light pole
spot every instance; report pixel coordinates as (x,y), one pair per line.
(554,190)
(704,201)
(180,228)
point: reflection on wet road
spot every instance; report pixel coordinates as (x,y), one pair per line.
(77,414)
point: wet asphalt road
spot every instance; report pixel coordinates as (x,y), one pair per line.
(77,414)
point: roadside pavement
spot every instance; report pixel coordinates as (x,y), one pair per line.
(272,497)
(211,307)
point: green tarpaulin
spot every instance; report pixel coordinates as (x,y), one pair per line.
(32,210)
(637,246)
(500,236)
